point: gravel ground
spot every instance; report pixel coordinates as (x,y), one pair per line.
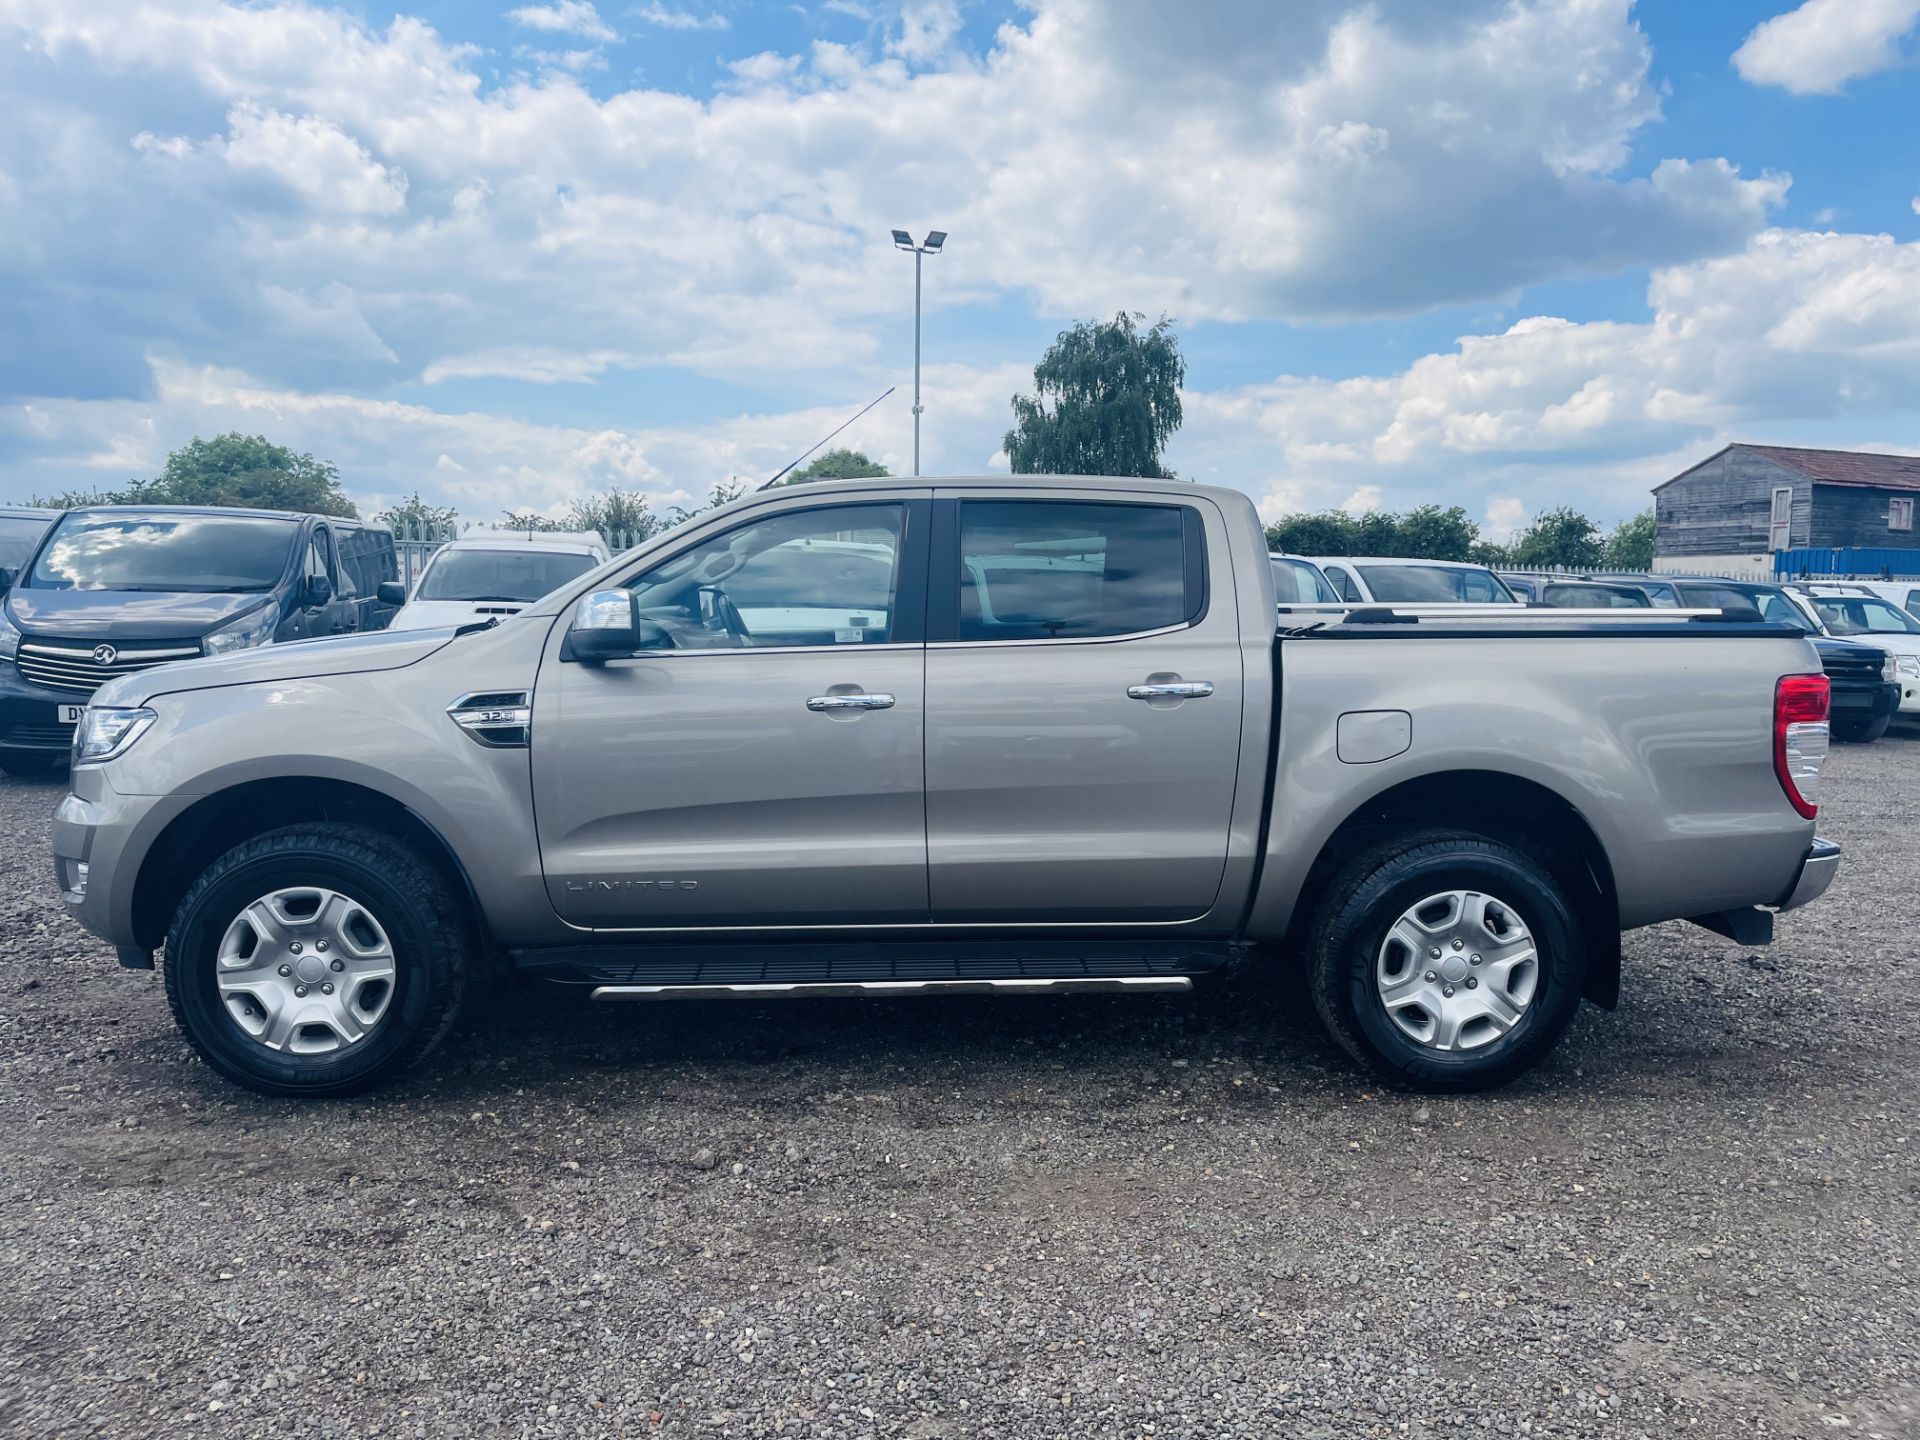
(977,1217)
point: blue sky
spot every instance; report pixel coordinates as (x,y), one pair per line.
(1499,253)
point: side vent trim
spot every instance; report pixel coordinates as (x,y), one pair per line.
(498,719)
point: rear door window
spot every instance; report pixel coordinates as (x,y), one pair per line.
(1343,582)
(1066,570)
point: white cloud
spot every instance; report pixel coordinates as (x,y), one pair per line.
(1818,47)
(314,157)
(1363,501)
(927,28)
(655,13)
(1505,515)
(536,364)
(565,17)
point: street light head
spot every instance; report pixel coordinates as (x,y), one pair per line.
(935,239)
(903,239)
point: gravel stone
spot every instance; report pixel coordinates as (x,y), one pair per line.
(1088,1217)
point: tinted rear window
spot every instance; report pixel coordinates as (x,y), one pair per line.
(523,575)
(1056,570)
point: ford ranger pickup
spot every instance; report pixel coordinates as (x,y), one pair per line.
(1008,735)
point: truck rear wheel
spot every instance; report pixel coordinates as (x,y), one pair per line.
(318,960)
(1446,962)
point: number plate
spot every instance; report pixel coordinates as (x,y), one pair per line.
(70,714)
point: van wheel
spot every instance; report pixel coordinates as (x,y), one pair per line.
(1446,962)
(318,960)
(28,762)
(1860,732)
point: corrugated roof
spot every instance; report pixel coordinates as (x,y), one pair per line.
(1844,467)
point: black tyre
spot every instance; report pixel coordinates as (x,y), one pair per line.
(29,762)
(1445,961)
(318,960)
(1860,732)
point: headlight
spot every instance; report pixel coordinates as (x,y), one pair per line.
(1890,668)
(253,628)
(9,634)
(105,733)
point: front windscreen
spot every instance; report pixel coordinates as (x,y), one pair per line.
(1433,584)
(515,575)
(1858,615)
(1299,582)
(179,553)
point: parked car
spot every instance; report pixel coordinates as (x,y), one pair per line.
(1377,578)
(114,589)
(1298,581)
(1846,614)
(1864,678)
(1571,594)
(1904,593)
(1078,779)
(20,531)
(480,577)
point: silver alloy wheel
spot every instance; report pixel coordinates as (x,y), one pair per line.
(1457,970)
(306,971)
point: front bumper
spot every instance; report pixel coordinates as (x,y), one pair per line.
(1816,874)
(30,714)
(99,838)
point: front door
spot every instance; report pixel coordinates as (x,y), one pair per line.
(763,766)
(1083,711)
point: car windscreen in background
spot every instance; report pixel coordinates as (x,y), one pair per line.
(1848,616)
(523,575)
(1295,582)
(190,554)
(1413,584)
(18,535)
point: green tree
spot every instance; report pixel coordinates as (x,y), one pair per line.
(1630,546)
(1561,536)
(232,469)
(1427,532)
(835,465)
(1328,533)
(1107,401)
(1485,552)
(237,469)
(415,516)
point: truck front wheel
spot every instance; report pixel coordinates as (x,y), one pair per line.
(318,960)
(1447,962)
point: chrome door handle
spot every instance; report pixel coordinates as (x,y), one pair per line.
(850,702)
(1172,690)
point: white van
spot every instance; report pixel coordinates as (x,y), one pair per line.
(496,574)
(1847,610)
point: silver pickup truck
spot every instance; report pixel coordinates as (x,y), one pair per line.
(1002,735)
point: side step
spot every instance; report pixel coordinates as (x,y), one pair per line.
(825,966)
(848,989)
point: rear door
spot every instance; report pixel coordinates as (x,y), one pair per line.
(1084,691)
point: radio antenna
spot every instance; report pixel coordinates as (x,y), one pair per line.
(829,435)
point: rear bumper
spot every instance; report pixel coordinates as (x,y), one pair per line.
(1816,874)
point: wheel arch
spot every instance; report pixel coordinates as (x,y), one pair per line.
(1505,808)
(215,823)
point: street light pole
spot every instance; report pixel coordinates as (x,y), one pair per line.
(931,246)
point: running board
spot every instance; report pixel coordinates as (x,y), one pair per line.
(832,989)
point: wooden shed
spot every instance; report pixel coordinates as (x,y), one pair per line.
(1747,501)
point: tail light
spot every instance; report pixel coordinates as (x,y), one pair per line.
(1800,738)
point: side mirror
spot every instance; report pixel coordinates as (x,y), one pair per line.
(6,579)
(608,625)
(391,592)
(319,590)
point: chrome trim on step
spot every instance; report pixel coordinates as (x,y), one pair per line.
(827,989)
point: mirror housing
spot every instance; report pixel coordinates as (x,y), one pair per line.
(391,592)
(6,579)
(318,590)
(607,625)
